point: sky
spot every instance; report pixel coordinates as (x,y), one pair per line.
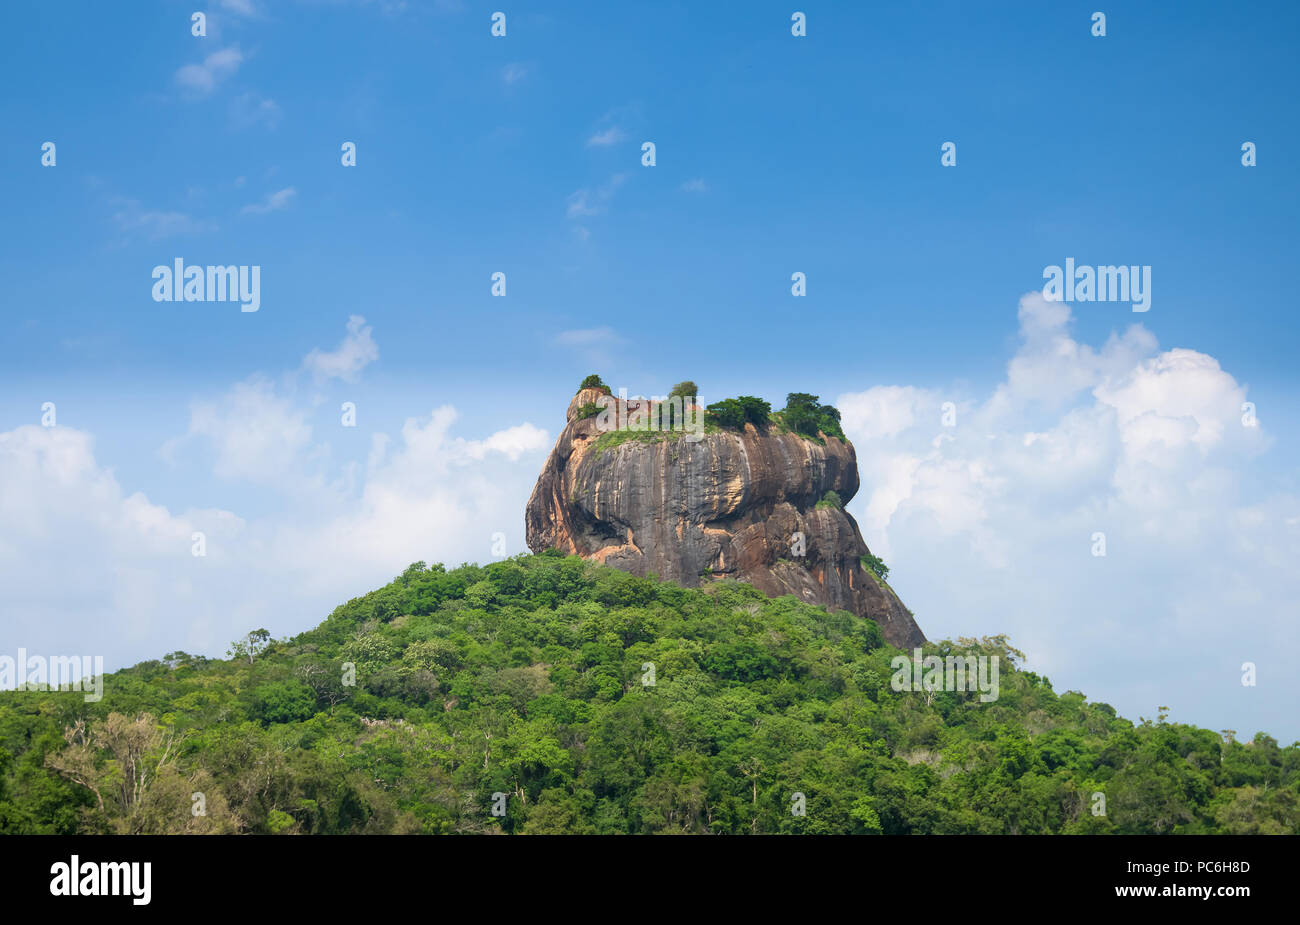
(522,154)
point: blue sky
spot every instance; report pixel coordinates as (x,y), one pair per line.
(775,154)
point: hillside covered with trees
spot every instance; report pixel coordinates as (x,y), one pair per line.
(580,699)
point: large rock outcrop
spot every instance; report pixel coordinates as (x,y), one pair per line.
(729,505)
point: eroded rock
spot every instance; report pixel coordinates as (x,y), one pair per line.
(729,505)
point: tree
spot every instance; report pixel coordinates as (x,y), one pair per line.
(865,815)
(727,413)
(325,679)
(283,702)
(874,563)
(804,414)
(688,393)
(736,412)
(831,499)
(1252,811)
(756,410)
(594,382)
(251,645)
(130,765)
(526,677)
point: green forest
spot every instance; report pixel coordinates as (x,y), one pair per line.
(548,694)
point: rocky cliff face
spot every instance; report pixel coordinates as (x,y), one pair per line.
(729,505)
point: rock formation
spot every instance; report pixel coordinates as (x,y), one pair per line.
(728,505)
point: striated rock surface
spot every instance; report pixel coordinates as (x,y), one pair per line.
(728,505)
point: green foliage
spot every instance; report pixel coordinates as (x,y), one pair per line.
(756,410)
(830,500)
(734,413)
(594,382)
(248,647)
(804,415)
(727,413)
(612,438)
(588,410)
(875,565)
(684,389)
(283,702)
(526,677)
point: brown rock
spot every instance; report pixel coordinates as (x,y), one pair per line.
(728,505)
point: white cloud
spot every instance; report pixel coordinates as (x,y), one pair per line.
(580,204)
(512,442)
(513,72)
(606,137)
(881,412)
(988,525)
(696,185)
(253,433)
(586,201)
(132,219)
(88,566)
(203,78)
(427,447)
(274,202)
(354,353)
(434,497)
(1181,387)
(250,109)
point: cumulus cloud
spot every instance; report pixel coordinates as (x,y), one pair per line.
(511,443)
(274,202)
(133,219)
(357,350)
(989,525)
(606,137)
(581,204)
(252,432)
(203,78)
(85,566)
(89,566)
(587,201)
(249,109)
(881,412)
(430,495)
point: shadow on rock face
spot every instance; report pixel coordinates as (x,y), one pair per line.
(732,504)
